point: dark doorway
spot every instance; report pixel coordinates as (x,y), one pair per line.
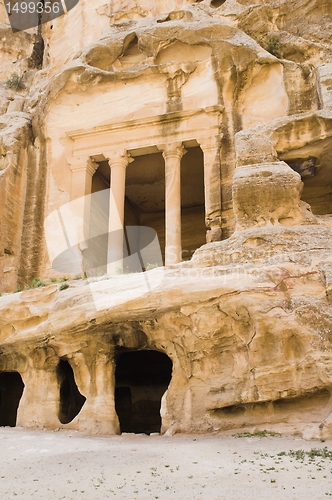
(11,390)
(145,199)
(142,377)
(316,176)
(71,400)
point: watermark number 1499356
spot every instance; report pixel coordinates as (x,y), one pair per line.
(28,14)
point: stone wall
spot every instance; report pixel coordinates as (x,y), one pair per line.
(246,324)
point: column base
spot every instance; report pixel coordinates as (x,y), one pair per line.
(214,234)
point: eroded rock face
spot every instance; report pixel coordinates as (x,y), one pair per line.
(246,324)
(243,90)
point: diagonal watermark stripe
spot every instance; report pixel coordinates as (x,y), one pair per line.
(77,240)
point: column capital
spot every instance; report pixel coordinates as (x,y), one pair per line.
(119,158)
(172,150)
(78,163)
(209,142)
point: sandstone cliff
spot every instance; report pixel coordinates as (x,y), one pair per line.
(247,321)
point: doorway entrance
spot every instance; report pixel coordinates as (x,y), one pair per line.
(142,377)
(11,390)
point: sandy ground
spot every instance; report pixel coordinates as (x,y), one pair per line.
(55,465)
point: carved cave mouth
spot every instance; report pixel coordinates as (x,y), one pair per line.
(132,47)
(313,164)
(71,400)
(307,404)
(142,377)
(306,167)
(11,390)
(217,3)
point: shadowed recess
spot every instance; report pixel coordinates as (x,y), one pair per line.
(11,390)
(142,377)
(71,400)
(217,3)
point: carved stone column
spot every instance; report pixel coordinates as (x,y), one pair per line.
(39,404)
(118,161)
(95,377)
(212,186)
(172,154)
(83,168)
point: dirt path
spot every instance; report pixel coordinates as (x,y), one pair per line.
(67,465)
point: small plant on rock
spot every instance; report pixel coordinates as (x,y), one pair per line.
(15,82)
(123,270)
(64,286)
(151,266)
(35,283)
(273,45)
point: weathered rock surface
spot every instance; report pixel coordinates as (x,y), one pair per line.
(247,325)
(245,88)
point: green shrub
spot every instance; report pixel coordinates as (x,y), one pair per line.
(121,270)
(64,286)
(15,82)
(151,266)
(297,454)
(35,283)
(306,71)
(257,434)
(273,45)
(312,454)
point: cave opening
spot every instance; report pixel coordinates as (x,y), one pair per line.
(71,400)
(142,377)
(312,162)
(217,3)
(11,390)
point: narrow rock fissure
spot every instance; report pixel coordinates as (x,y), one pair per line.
(37,55)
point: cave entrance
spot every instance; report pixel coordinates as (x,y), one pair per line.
(313,163)
(71,400)
(142,377)
(11,390)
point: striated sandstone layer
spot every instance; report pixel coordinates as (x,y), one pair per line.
(240,93)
